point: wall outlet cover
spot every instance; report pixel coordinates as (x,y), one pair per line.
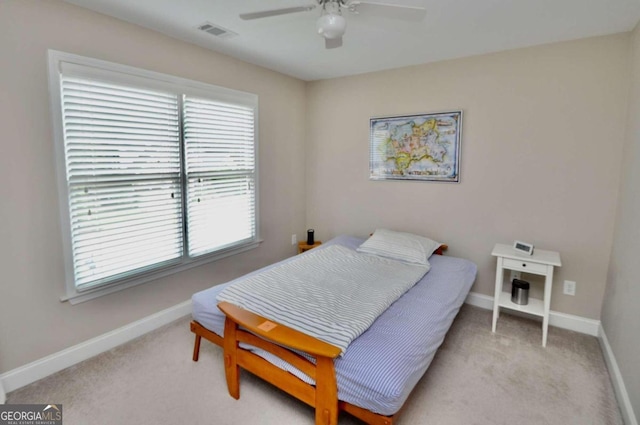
(569,287)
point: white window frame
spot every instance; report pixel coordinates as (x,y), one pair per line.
(90,67)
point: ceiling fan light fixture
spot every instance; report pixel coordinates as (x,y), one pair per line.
(331,25)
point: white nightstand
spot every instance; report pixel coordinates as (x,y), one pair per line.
(541,263)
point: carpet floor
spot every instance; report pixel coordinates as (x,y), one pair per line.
(477,377)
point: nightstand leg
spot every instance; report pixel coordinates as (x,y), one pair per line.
(496,296)
(548,283)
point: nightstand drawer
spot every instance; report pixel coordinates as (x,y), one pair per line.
(524,266)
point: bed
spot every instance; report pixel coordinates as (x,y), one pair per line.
(374,377)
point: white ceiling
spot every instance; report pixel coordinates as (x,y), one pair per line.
(451,29)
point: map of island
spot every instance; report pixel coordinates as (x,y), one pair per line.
(416,147)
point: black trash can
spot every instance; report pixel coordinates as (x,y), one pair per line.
(520,292)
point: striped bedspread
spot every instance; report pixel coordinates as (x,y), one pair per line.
(333,294)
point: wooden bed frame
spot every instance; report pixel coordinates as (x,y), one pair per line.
(270,336)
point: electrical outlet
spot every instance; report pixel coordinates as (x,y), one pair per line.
(514,275)
(294,239)
(569,287)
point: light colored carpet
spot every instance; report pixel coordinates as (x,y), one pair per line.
(476,378)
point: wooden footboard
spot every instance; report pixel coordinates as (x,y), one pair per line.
(324,396)
(242,326)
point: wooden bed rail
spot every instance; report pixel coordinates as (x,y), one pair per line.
(271,336)
(441,249)
(280,334)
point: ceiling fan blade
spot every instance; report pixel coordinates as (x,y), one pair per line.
(332,43)
(394,11)
(275,12)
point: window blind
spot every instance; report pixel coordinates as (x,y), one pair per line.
(220,173)
(122,152)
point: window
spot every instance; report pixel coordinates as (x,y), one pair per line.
(156,173)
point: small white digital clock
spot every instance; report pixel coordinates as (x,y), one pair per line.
(523,247)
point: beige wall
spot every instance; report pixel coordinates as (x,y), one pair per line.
(543,130)
(33,323)
(622,297)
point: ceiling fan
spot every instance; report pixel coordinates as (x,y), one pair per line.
(332,25)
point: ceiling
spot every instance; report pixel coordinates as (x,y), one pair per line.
(451,29)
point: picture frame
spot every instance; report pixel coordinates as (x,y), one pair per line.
(422,147)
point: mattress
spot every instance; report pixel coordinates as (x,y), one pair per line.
(380,367)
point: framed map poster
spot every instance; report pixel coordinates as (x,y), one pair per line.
(422,147)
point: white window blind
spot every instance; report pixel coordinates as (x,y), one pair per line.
(122,149)
(220,168)
(156,173)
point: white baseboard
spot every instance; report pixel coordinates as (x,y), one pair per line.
(24,375)
(480,300)
(560,320)
(620,389)
(574,323)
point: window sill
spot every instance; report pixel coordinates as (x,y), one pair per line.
(80,297)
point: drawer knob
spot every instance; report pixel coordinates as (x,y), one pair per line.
(524,264)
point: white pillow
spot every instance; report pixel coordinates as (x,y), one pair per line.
(400,246)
